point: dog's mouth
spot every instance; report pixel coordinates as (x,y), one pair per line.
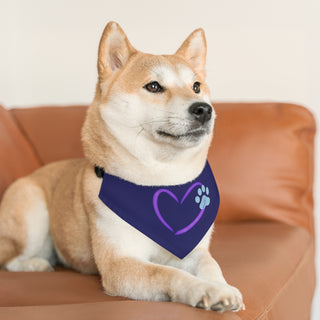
(196,133)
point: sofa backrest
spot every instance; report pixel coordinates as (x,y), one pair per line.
(53,131)
(261,155)
(17,156)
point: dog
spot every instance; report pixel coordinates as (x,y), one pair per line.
(140,128)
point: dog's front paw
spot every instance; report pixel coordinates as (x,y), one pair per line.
(216,296)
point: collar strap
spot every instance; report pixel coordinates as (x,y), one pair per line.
(99,171)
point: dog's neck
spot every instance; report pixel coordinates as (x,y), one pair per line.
(149,169)
(145,167)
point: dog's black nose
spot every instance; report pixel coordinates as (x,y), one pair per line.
(201,111)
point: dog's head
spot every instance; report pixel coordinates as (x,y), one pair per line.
(154,102)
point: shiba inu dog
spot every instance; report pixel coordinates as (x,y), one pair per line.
(150,123)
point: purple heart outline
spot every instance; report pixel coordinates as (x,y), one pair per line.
(172,195)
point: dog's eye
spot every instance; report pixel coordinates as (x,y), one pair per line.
(196,87)
(153,87)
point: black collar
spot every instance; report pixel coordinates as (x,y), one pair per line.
(99,171)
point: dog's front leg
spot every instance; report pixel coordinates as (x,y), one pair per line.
(142,280)
(202,265)
(135,278)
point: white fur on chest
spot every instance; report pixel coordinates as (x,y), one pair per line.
(128,241)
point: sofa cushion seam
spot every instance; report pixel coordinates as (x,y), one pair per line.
(27,137)
(301,262)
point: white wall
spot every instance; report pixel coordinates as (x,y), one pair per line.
(258,50)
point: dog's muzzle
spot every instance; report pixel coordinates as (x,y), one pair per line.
(201,111)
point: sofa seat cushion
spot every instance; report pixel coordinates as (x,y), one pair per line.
(268,262)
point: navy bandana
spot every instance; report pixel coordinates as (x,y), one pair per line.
(176,217)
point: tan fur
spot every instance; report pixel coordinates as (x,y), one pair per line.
(12,210)
(119,134)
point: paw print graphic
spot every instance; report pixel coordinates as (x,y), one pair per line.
(203,197)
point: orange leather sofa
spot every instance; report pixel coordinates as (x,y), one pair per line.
(262,156)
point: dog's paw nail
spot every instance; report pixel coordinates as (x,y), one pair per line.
(225,302)
(203,303)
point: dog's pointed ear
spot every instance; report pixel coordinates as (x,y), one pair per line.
(194,51)
(114,50)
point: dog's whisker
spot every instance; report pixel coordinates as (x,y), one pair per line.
(137,136)
(148,122)
(163,121)
(179,118)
